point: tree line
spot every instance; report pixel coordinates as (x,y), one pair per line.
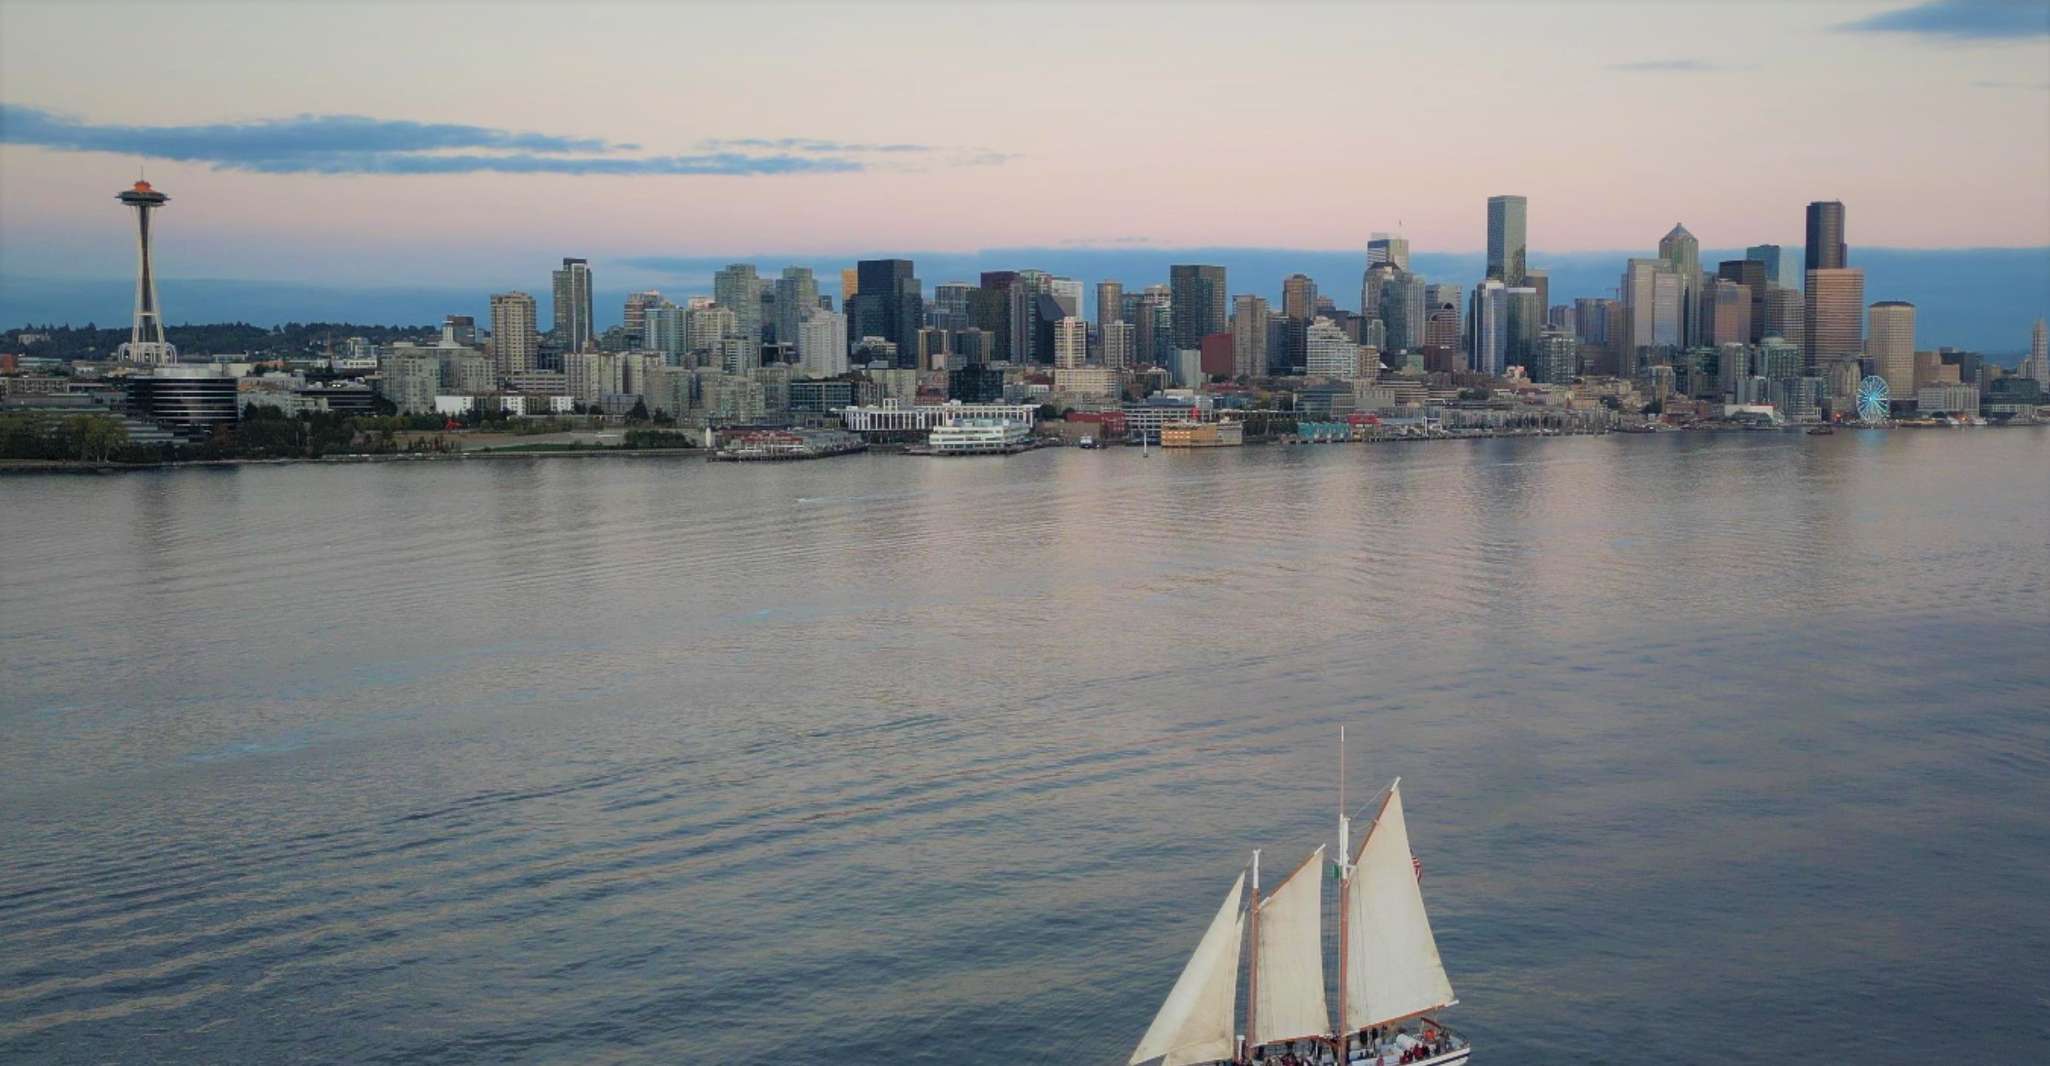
(290,340)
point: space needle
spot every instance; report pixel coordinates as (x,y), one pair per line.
(146,344)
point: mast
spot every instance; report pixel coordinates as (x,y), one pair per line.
(1344,885)
(1253,960)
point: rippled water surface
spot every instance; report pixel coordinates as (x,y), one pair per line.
(883,758)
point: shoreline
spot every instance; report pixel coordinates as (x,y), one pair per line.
(68,466)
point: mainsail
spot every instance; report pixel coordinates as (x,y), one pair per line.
(1289,959)
(1392,970)
(1195,1024)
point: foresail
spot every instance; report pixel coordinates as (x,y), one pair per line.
(1195,1024)
(1290,958)
(1392,967)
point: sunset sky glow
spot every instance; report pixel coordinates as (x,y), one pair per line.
(438,143)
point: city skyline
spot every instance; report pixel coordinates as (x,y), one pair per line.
(583,167)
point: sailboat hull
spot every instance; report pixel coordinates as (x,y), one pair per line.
(1391,1049)
(1455,1057)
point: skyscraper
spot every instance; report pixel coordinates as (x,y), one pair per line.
(1249,336)
(704,327)
(1540,280)
(1591,320)
(1651,308)
(1022,295)
(146,344)
(1441,296)
(1489,333)
(514,342)
(1769,254)
(891,303)
(1557,359)
(739,289)
(1524,319)
(1682,254)
(1373,288)
(1067,292)
(1070,343)
(1507,255)
(1199,303)
(572,306)
(1753,275)
(989,308)
(1891,344)
(1727,307)
(1404,300)
(1786,316)
(1833,312)
(1110,303)
(1299,297)
(1779,360)
(1392,248)
(1668,307)
(1826,249)
(637,304)
(797,295)
(1441,327)
(2037,365)
(822,343)
(1329,352)
(662,330)
(948,308)
(1119,345)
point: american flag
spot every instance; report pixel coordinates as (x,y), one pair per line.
(1417,865)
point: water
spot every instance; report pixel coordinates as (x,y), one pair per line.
(881,758)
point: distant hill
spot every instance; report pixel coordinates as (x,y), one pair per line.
(1978,298)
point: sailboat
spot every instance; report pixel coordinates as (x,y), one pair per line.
(1391,982)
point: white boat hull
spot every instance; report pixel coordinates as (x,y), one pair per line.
(1455,1057)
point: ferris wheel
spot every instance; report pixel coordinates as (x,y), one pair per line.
(1873,400)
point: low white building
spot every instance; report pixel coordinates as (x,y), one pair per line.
(893,416)
(529,405)
(1947,399)
(979,436)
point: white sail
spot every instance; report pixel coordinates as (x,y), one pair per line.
(1289,962)
(1195,1024)
(1392,968)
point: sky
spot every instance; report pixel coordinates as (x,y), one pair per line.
(475,144)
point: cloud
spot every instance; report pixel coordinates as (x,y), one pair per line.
(356,144)
(272,138)
(2038,86)
(521,163)
(1962,20)
(806,144)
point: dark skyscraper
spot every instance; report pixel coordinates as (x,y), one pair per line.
(1508,254)
(886,303)
(989,308)
(1826,249)
(573,328)
(1199,303)
(1752,274)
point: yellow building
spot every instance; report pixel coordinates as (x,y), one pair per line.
(1202,434)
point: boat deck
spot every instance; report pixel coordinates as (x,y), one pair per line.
(1407,1049)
